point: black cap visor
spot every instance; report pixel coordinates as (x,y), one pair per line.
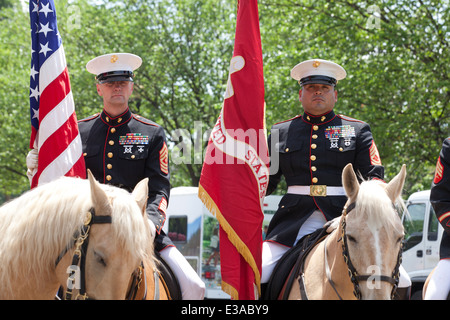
(115,76)
(318,80)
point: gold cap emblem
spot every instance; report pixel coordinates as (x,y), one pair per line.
(316,64)
(114,58)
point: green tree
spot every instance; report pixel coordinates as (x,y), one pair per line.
(14,84)
(397,58)
(395,52)
(186,46)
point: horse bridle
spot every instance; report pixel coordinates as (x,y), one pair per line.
(81,242)
(353,274)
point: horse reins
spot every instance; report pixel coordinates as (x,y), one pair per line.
(353,274)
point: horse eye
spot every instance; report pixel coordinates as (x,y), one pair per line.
(352,239)
(100,258)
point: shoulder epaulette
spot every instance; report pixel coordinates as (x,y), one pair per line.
(90,117)
(298,116)
(144,120)
(344,117)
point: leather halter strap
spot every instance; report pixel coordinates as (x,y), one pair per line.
(354,276)
(350,207)
(93,220)
(81,242)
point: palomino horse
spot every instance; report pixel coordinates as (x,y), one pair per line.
(361,258)
(98,234)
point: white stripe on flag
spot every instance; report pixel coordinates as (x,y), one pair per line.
(63,163)
(52,68)
(56,118)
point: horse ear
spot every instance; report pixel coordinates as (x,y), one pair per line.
(140,194)
(395,186)
(99,197)
(350,182)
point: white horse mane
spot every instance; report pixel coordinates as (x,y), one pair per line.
(36,227)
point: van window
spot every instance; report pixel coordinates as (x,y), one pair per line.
(414,225)
(433,226)
(178,229)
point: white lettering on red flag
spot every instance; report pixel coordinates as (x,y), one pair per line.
(235,172)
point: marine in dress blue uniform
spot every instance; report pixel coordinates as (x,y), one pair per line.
(123,148)
(310,152)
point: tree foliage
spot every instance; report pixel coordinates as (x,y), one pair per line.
(396,54)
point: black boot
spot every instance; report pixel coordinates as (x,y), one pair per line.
(263,291)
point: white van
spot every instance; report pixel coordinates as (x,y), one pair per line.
(194,231)
(423,234)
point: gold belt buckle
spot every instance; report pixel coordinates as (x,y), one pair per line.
(318,191)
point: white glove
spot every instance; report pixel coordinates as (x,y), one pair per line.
(32,163)
(332,224)
(152,228)
(32,159)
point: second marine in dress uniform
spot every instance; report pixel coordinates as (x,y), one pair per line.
(310,151)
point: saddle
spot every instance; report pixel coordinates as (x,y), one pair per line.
(169,281)
(290,266)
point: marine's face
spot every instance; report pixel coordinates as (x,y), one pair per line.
(317,99)
(115,93)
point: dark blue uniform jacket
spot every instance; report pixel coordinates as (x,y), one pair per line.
(122,151)
(312,150)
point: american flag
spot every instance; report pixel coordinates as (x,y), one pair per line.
(54,128)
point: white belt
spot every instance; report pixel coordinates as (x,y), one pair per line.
(317,190)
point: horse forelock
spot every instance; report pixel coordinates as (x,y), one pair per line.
(375,206)
(37,226)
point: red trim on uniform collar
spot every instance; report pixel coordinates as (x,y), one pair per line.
(116,121)
(320,119)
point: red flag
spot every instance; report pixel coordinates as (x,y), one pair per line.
(235,173)
(54,128)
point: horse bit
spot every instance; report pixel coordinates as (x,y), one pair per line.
(353,274)
(81,242)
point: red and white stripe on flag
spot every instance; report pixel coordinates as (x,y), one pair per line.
(235,172)
(54,128)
